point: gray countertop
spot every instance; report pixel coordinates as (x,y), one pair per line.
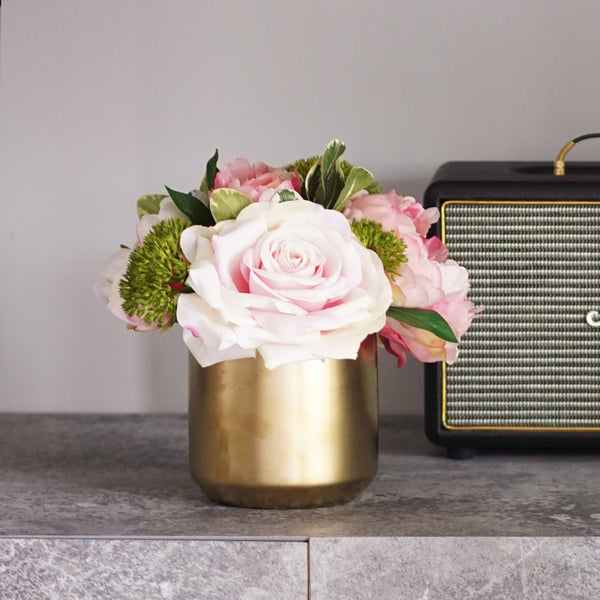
(127,476)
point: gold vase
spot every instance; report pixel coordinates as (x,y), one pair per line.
(301,435)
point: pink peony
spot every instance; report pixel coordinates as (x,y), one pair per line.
(427,280)
(258,181)
(289,280)
(395,213)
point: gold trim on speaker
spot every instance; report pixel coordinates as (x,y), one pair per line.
(444,366)
(498,427)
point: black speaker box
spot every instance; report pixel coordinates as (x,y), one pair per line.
(528,371)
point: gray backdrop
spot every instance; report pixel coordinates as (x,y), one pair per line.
(102,102)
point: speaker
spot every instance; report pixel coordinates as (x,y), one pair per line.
(528,371)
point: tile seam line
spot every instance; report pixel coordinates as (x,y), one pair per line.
(161,538)
(308,581)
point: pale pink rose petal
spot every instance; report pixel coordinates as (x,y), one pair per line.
(207,355)
(255,295)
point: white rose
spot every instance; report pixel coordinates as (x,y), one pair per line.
(288,279)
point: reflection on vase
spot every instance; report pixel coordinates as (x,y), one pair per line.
(303,434)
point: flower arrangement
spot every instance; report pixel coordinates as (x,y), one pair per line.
(294,263)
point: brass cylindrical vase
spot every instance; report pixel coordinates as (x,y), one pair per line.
(301,435)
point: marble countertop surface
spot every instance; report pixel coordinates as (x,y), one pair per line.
(127,476)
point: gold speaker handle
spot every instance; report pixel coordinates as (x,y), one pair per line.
(559,163)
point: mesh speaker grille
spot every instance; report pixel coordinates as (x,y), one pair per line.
(530,360)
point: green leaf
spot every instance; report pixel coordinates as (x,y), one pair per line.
(286,196)
(193,208)
(334,150)
(423,318)
(211,171)
(203,187)
(226,203)
(372,188)
(312,181)
(332,176)
(149,204)
(358,179)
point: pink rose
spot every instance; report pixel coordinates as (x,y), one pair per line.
(258,181)
(427,280)
(289,280)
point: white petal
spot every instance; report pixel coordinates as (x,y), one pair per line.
(206,356)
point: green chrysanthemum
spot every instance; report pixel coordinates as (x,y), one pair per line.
(156,275)
(386,244)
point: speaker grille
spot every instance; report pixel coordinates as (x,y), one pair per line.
(530,360)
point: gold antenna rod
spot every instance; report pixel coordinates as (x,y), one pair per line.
(559,163)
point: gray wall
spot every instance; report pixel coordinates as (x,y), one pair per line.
(105,101)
